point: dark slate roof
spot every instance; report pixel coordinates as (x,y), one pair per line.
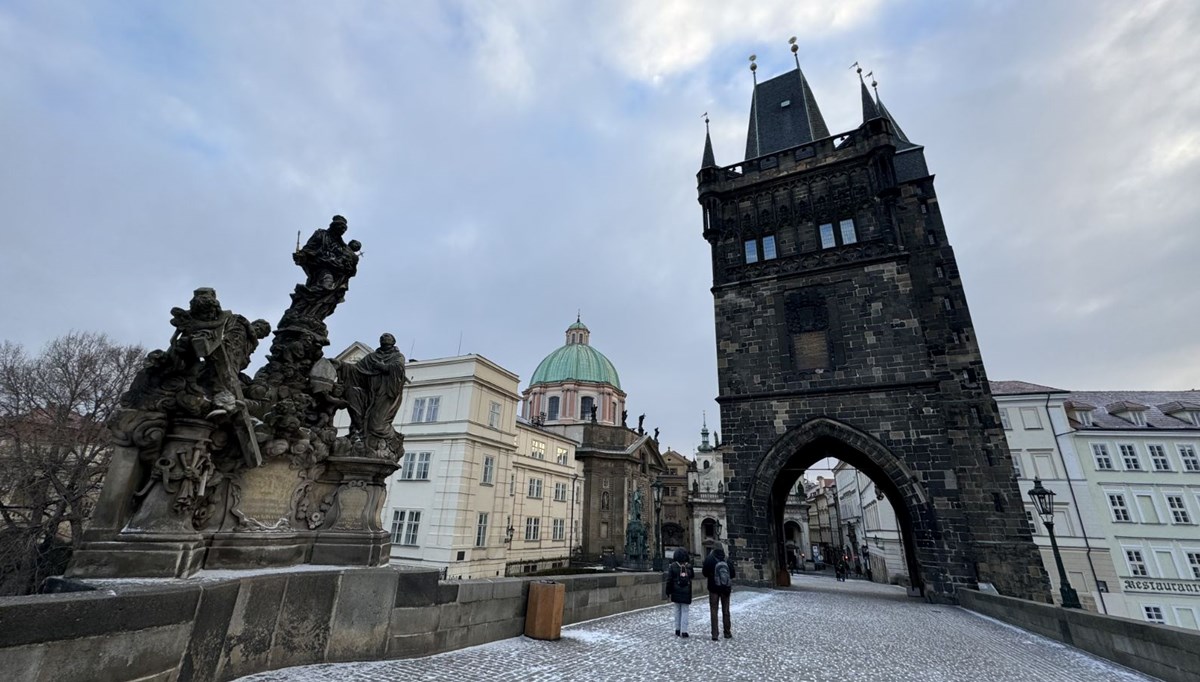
(1103,419)
(783,127)
(1178,406)
(1020,388)
(709,159)
(902,140)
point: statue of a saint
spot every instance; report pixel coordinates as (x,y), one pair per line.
(374,386)
(327,260)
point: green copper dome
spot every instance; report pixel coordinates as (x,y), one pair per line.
(576,361)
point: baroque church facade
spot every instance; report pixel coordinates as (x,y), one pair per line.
(842,330)
(576,391)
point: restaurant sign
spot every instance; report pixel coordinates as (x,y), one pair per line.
(1161,586)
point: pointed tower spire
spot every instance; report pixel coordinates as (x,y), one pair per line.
(709,159)
(905,143)
(704,446)
(870,110)
(783,113)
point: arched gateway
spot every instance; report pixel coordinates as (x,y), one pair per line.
(843,331)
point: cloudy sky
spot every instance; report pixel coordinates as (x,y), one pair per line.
(506,164)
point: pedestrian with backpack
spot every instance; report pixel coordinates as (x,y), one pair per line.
(720,574)
(679,588)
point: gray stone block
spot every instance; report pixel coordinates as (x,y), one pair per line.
(503,588)
(54,617)
(416,588)
(475,590)
(303,628)
(411,646)
(411,621)
(126,656)
(252,627)
(209,629)
(361,614)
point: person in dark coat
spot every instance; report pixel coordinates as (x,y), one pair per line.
(679,587)
(718,594)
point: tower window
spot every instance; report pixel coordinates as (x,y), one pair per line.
(768,244)
(585,407)
(751,251)
(845,233)
(552,409)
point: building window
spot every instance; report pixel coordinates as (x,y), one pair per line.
(585,407)
(405,524)
(1187,455)
(560,455)
(533,528)
(1120,512)
(1179,512)
(535,487)
(1137,564)
(751,251)
(1154,614)
(489,469)
(512,485)
(1194,561)
(560,529)
(426,409)
(1136,417)
(849,236)
(560,492)
(552,409)
(1016,459)
(481,530)
(1032,525)
(1130,458)
(1103,460)
(827,239)
(494,415)
(1158,457)
(768,246)
(1004,419)
(415,466)
(537,449)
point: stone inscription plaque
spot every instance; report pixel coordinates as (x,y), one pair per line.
(266,497)
(352,502)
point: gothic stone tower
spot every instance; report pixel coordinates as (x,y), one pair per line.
(843,331)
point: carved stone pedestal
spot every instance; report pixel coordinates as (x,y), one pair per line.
(351,534)
(262,529)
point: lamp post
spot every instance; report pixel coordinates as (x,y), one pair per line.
(657,488)
(1043,501)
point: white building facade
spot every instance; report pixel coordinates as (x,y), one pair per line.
(472,471)
(1126,475)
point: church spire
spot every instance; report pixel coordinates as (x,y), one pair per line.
(709,159)
(869,108)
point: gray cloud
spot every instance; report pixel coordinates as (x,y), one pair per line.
(506,169)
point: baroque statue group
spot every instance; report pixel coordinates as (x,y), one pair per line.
(213,468)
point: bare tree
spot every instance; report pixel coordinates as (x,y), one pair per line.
(54,447)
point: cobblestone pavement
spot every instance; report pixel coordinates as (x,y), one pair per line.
(817,630)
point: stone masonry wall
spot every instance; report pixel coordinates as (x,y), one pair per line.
(222,628)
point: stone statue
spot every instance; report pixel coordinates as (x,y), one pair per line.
(593,414)
(624,417)
(209,465)
(641,420)
(635,532)
(373,389)
(327,260)
(655,435)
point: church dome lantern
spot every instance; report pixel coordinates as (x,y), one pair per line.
(573,380)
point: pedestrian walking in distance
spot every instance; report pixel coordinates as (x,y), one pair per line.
(679,582)
(720,575)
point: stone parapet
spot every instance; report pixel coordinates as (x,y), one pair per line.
(220,626)
(1170,653)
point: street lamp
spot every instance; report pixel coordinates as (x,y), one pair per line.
(1043,501)
(657,488)
(508,532)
